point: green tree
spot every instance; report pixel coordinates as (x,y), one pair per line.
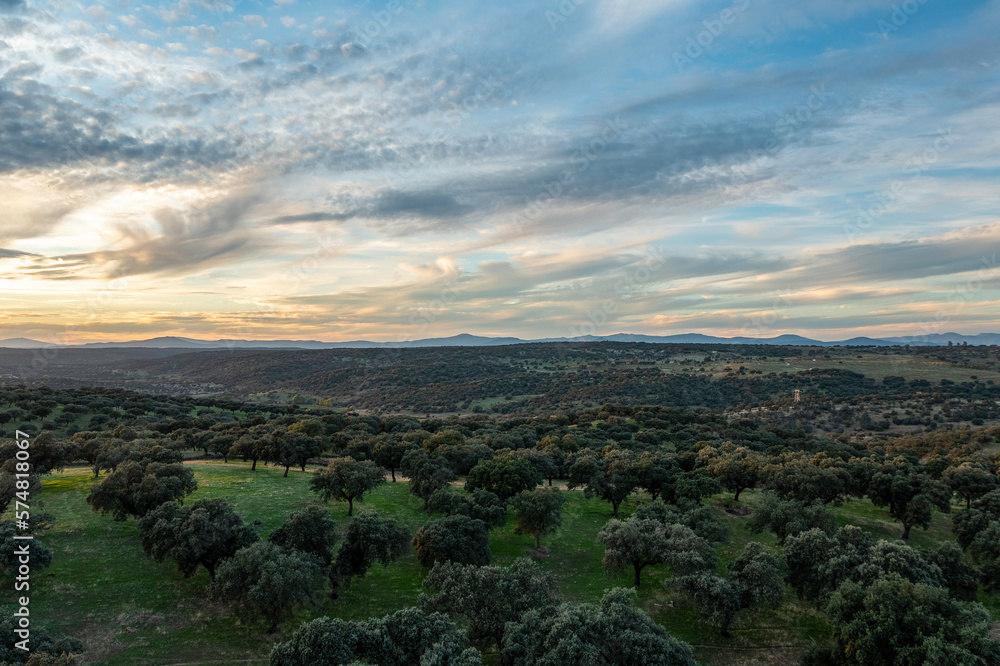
(254,446)
(543,463)
(985,551)
(407,637)
(755,580)
(538,512)
(456,538)
(134,489)
(203,534)
(310,530)
(961,579)
(222,444)
(967,524)
(656,473)
(737,468)
(347,479)
(47,454)
(716,599)
(758,576)
(313,532)
(481,505)
(910,496)
(785,518)
(818,562)
(611,476)
(969,481)
(896,622)
(427,474)
(695,485)
(643,542)
(615,633)
(504,476)
(486,598)
(263,580)
(369,538)
(9,489)
(389,454)
(46,649)
(10,558)
(293,448)
(796,476)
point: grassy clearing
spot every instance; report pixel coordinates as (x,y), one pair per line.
(131,610)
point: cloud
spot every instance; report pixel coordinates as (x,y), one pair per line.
(184,241)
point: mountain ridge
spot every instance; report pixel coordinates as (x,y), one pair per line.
(470,340)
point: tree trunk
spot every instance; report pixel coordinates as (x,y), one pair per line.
(303,467)
(274,626)
(550,482)
(906,531)
(538,542)
(335,585)
(614,508)
(350,507)
(392,470)
(725,631)
(225,457)
(286,470)
(211,571)
(253,467)
(638,571)
(736,495)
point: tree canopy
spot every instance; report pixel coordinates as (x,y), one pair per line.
(409,636)
(134,489)
(614,633)
(504,476)
(347,479)
(456,538)
(204,533)
(486,598)
(643,542)
(266,581)
(538,512)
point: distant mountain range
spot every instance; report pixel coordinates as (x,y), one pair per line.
(467,340)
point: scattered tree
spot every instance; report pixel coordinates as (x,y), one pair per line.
(486,598)
(203,534)
(456,538)
(266,581)
(897,622)
(613,634)
(504,476)
(134,489)
(643,542)
(612,477)
(347,479)
(369,538)
(427,474)
(538,512)
(409,636)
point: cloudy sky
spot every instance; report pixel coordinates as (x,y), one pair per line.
(404,169)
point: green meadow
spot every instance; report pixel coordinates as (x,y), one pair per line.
(131,610)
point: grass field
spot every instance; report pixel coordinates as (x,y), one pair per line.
(130,610)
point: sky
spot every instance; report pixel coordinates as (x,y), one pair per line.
(396,170)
